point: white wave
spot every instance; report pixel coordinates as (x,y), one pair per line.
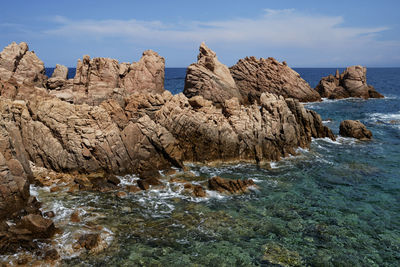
(129,179)
(274,165)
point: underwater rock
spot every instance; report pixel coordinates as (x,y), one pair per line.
(355,129)
(275,254)
(75,217)
(351,83)
(224,185)
(89,241)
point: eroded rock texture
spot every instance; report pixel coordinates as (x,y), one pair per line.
(210,78)
(351,83)
(256,76)
(355,129)
(99,79)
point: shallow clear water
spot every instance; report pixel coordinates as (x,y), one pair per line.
(336,204)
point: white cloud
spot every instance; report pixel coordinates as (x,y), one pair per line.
(274,31)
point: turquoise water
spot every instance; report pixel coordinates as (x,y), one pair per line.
(336,204)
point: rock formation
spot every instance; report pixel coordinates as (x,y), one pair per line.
(351,83)
(17,63)
(255,76)
(131,125)
(210,78)
(355,129)
(58,78)
(99,79)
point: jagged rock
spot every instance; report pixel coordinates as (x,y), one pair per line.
(146,75)
(255,76)
(351,128)
(210,78)
(351,83)
(224,185)
(16,61)
(97,79)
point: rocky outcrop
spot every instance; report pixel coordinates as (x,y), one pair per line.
(210,79)
(58,78)
(355,129)
(256,76)
(351,83)
(23,66)
(99,79)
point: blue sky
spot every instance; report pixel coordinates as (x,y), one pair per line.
(304,33)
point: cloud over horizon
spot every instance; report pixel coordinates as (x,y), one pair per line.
(288,34)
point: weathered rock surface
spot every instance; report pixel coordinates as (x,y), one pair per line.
(256,76)
(22,65)
(224,185)
(351,128)
(99,79)
(210,78)
(351,83)
(58,78)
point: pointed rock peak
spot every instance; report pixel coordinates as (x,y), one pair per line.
(337,75)
(150,53)
(205,51)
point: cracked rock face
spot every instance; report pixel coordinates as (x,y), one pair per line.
(99,79)
(210,79)
(17,63)
(256,76)
(351,83)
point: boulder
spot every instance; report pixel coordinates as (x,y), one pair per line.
(351,83)
(58,78)
(38,226)
(355,129)
(256,76)
(210,79)
(230,186)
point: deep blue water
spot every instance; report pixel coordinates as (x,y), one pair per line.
(336,204)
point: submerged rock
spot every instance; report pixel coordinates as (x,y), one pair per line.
(278,255)
(351,83)
(224,185)
(256,76)
(355,129)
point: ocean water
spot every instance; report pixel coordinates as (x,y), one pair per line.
(335,204)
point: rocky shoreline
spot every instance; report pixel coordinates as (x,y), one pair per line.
(115,119)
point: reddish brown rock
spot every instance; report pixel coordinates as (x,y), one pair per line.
(256,76)
(89,241)
(351,83)
(223,185)
(75,217)
(37,225)
(210,78)
(355,129)
(198,191)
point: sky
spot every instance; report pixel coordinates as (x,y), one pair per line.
(303,33)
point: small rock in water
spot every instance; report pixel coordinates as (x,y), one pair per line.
(198,191)
(133,189)
(51,254)
(89,241)
(355,129)
(49,214)
(75,216)
(122,194)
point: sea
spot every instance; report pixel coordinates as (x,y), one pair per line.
(334,204)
